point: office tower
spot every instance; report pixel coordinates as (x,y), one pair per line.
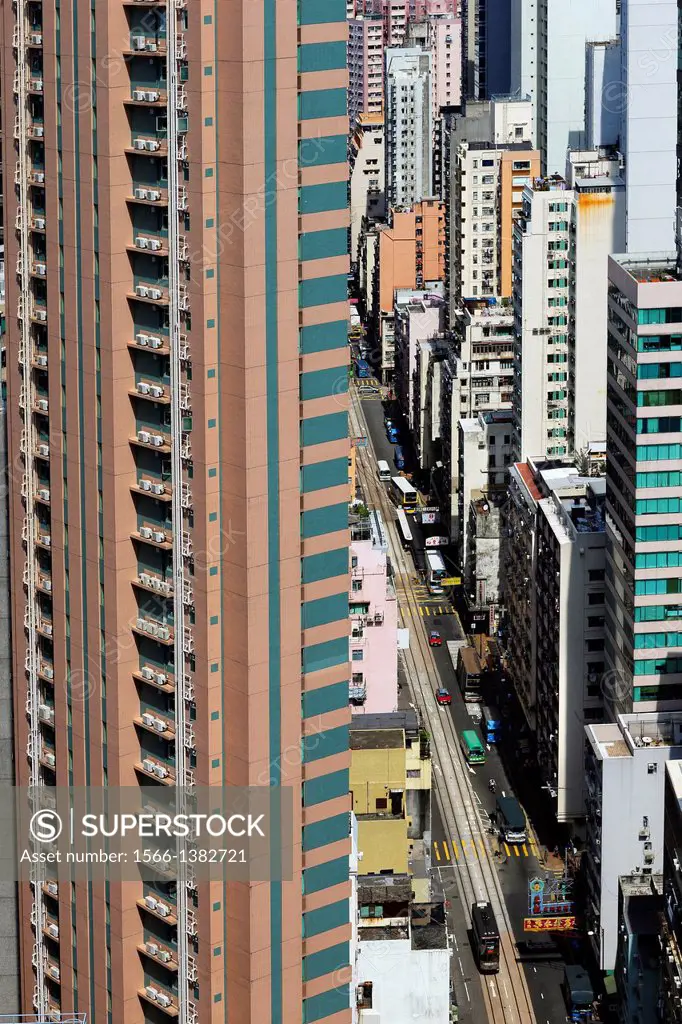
(548,40)
(648,104)
(178,515)
(365,67)
(409,126)
(486,41)
(644,442)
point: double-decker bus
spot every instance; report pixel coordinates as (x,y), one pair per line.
(404,531)
(435,571)
(469,674)
(404,493)
(486,938)
(472,748)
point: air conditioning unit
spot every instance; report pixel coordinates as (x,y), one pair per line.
(142,387)
(44,711)
(155,293)
(152,628)
(45,538)
(53,929)
(48,671)
(164,633)
(39,176)
(140,624)
(160,771)
(44,449)
(47,585)
(41,314)
(44,493)
(140,193)
(164,955)
(156,390)
(142,290)
(154,341)
(152,993)
(154,194)
(148,766)
(152,95)
(144,436)
(142,339)
(37,38)
(161,678)
(147,672)
(145,578)
(162,909)
(145,485)
(42,404)
(163,999)
(155,244)
(151,47)
(146,532)
(158,489)
(139,94)
(41,269)
(141,242)
(159,536)
(47,628)
(151,901)
(52,888)
(139,144)
(160,725)
(138,43)
(151,948)
(157,440)
(152,145)
(39,223)
(37,85)
(41,360)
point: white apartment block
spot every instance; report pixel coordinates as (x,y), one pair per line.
(541,312)
(365,67)
(367,177)
(409,126)
(562,243)
(548,63)
(414,322)
(649,47)
(603,94)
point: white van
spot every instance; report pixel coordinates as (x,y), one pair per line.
(383,470)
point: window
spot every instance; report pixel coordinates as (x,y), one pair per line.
(595,575)
(356,586)
(357,655)
(381,803)
(358,679)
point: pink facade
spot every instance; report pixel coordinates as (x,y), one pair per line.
(445,39)
(365,66)
(374,623)
(397,14)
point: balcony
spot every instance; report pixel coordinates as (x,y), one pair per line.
(151,391)
(149,195)
(160,954)
(149,243)
(143,44)
(47,758)
(155,342)
(150,439)
(158,908)
(147,97)
(158,631)
(162,1000)
(51,928)
(152,488)
(51,888)
(38,313)
(147,145)
(155,770)
(46,672)
(156,724)
(155,537)
(35,85)
(154,677)
(45,628)
(151,293)
(154,584)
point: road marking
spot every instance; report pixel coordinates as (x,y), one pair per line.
(421,611)
(507,850)
(446,850)
(469,997)
(459,961)
(482,844)
(455,850)
(506,990)
(435,850)
(492,987)
(516,851)
(525,851)
(542,995)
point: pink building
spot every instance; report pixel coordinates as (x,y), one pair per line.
(397,14)
(374,621)
(445,44)
(365,66)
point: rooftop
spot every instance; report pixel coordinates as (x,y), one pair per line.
(384,889)
(638,731)
(375,739)
(649,267)
(405,720)
(555,183)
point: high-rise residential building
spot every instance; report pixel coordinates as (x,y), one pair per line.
(413,322)
(644,511)
(367,178)
(670,922)
(603,94)
(548,40)
(365,67)
(409,126)
(648,104)
(561,244)
(178,513)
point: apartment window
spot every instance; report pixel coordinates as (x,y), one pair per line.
(356,586)
(357,655)
(358,679)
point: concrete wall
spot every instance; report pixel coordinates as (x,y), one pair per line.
(409,985)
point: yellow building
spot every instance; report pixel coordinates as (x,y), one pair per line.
(390,781)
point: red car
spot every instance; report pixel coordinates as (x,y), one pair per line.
(443,696)
(435,639)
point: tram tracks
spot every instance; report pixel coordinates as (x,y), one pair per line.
(506,995)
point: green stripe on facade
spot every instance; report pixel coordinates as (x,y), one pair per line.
(317,245)
(326,698)
(323,337)
(323,383)
(326,655)
(326,918)
(325,832)
(322,150)
(320,475)
(334,958)
(322,103)
(327,787)
(328,519)
(272,428)
(327,743)
(332,426)
(322,57)
(321,291)
(332,195)
(323,610)
(326,1004)
(321,12)
(324,566)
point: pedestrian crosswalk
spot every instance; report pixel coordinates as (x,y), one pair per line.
(426,610)
(476,847)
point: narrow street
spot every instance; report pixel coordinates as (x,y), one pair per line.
(467,859)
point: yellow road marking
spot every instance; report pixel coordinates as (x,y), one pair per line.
(482,844)
(446,849)
(421,611)
(436,850)
(516,851)
(533,848)
(507,850)
(525,851)
(454,849)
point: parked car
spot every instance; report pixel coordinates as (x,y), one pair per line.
(435,639)
(443,696)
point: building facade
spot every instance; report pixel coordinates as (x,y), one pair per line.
(644,517)
(409,126)
(178,517)
(367,179)
(365,67)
